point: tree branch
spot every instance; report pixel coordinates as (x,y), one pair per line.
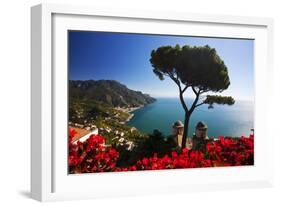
(195,101)
(182,99)
(180,92)
(195,92)
(200,104)
(184,88)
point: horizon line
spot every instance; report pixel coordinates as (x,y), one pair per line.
(173,97)
(249,99)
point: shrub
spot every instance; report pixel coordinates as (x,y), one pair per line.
(94,156)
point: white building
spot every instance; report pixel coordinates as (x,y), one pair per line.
(82,134)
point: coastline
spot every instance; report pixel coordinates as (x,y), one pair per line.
(130,117)
(129,111)
(132,109)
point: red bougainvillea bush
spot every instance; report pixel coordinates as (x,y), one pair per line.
(93,156)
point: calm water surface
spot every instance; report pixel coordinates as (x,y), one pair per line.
(235,120)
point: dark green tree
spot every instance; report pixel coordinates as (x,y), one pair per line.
(198,68)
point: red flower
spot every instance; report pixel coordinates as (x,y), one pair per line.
(174,154)
(93,156)
(145,161)
(72,132)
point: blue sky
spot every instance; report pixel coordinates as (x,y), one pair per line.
(125,58)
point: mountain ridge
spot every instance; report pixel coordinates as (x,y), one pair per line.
(110,92)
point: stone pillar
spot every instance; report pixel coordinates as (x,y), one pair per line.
(178,132)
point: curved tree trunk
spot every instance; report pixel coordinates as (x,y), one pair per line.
(185,129)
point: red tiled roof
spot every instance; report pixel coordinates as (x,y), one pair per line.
(80,133)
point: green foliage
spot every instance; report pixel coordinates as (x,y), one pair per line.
(147,146)
(218,99)
(81,110)
(199,67)
(164,60)
(156,143)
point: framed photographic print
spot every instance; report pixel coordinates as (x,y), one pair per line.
(135,102)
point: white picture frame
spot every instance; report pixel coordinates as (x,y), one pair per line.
(49,178)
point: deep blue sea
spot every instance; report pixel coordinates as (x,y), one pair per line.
(235,120)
